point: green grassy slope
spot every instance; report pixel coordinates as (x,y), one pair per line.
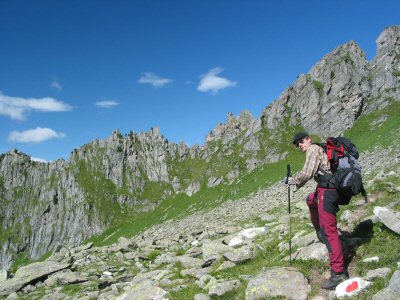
(380,128)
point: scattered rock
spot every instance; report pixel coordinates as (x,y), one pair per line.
(371,259)
(146,290)
(378,273)
(221,288)
(30,273)
(241,255)
(388,217)
(226,265)
(274,282)
(201,297)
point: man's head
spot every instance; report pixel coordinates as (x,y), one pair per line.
(302,140)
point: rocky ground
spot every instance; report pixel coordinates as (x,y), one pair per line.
(196,250)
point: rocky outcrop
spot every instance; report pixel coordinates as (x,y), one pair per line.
(340,87)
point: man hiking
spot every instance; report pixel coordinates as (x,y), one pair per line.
(323,204)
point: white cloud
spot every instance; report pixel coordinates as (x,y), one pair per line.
(107,104)
(36,135)
(38,159)
(154,80)
(211,82)
(55,84)
(16,108)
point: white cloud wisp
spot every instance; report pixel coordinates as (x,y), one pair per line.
(154,80)
(107,104)
(37,135)
(16,107)
(55,84)
(213,83)
(38,159)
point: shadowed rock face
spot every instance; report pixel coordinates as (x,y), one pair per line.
(46,205)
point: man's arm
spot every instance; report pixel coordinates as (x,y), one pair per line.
(310,166)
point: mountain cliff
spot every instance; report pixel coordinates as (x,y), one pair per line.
(47,205)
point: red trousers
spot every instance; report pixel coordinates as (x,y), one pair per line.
(323,205)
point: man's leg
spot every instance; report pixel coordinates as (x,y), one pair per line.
(312,203)
(327,208)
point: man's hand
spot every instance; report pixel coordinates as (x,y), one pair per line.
(289,180)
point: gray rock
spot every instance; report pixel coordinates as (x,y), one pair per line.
(65,277)
(377,273)
(226,265)
(30,273)
(3,276)
(304,241)
(388,217)
(155,275)
(201,297)
(145,290)
(190,262)
(316,251)
(221,288)
(214,249)
(241,255)
(394,283)
(212,181)
(196,273)
(267,217)
(204,280)
(127,244)
(193,188)
(386,294)
(274,282)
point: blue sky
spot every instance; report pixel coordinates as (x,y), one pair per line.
(75,71)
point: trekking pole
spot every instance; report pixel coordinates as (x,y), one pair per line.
(289,174)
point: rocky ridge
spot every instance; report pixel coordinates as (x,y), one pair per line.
(69,201)
(198,249)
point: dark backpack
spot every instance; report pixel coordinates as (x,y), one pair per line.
(346,170)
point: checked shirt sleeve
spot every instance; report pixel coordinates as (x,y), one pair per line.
(310,168)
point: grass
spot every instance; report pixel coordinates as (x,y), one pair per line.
(366,136)
(319,86)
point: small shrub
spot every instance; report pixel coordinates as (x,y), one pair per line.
(319,86)
(154,254)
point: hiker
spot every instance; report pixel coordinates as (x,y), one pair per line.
(323,204)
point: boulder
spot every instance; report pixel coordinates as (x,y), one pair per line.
(275,282)
(145,290)
(241,255)
(394,283)
(190,262)
(65,277)
(378,273)
(388,217)
(221,288)
(214,249)
(30,273)
(314,251)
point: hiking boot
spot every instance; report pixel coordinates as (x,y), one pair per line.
(334,280)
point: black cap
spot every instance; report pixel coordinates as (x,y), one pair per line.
(299,136)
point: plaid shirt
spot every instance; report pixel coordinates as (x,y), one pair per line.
(316,164)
